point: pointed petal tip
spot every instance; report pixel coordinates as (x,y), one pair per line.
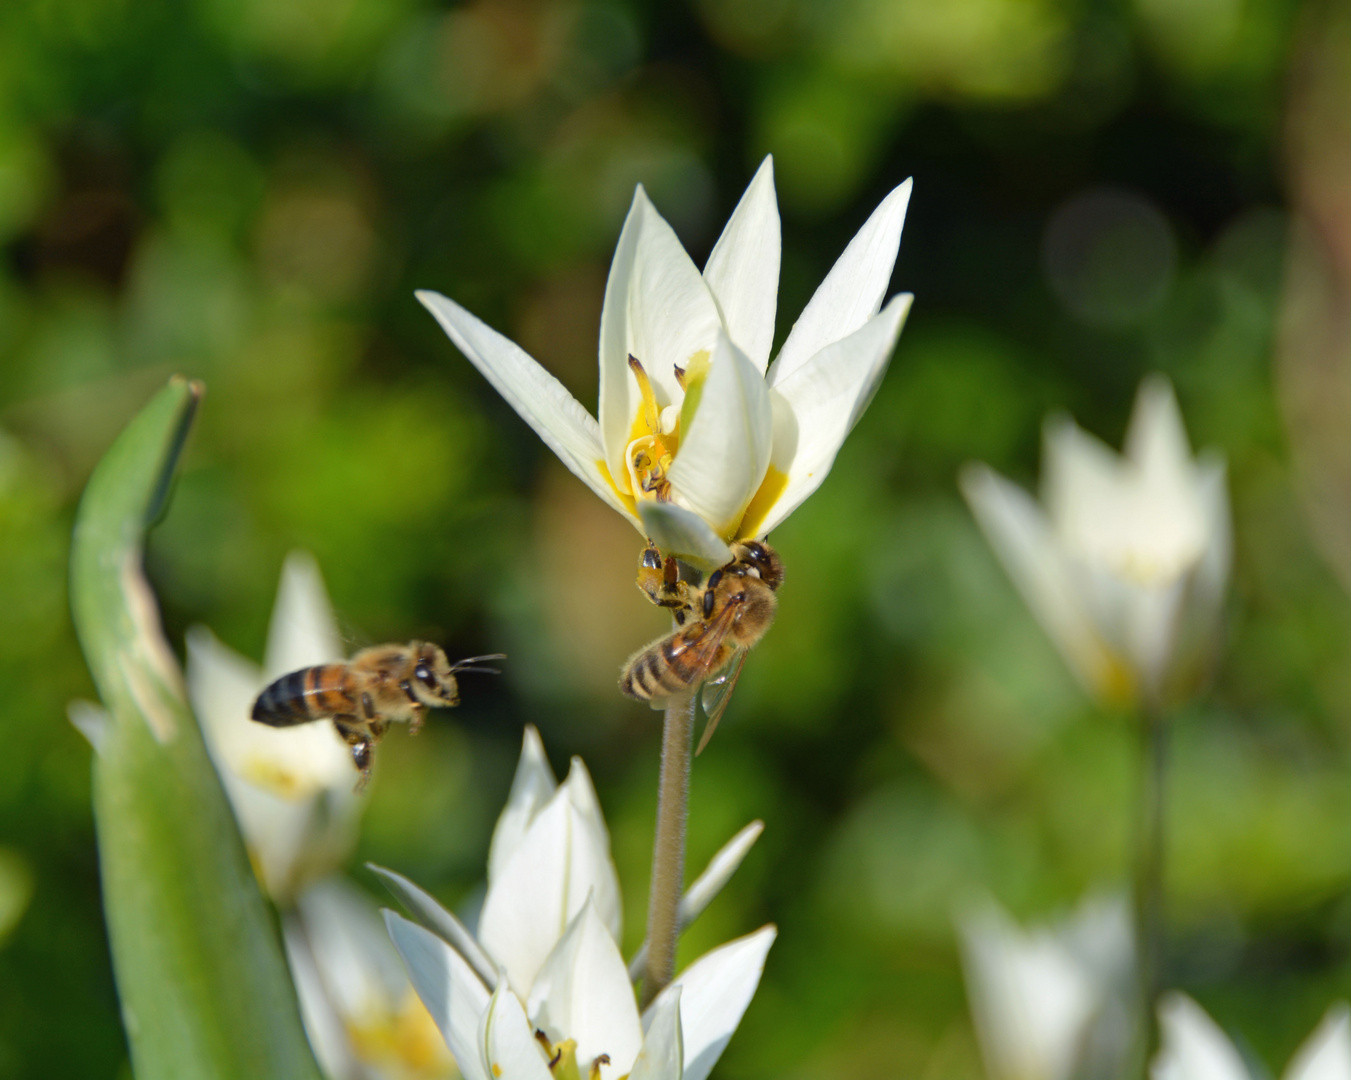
(90,720)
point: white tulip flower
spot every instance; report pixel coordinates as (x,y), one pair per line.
(1125,561)
(700,440)
(1194,1048)
(292,789)
(543,991)
(1049,1001)
(361,1014)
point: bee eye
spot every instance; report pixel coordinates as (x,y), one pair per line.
(425,677)
(651,558)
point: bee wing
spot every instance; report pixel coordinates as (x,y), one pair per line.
(717,693)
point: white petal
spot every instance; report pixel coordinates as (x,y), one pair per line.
(583,992)
(563,858)
(541,400)
(303,631)
(90,720)
(360,968)
(714,993)
(826,395)
(1156,440)
(724,455)
(743,270)
(718,873)
(509,1049)
(1326,1054)
(1031,999)
(677,531)
(1023,542)
(615,411)
(662,1055)
(426,912)
(290,788)
(447,985)
(853,290)
(706,886)
(658,309)
(531,788)
(1193,1047)
(1212,573)
(323,1026)
(1153,615)
(1082,484)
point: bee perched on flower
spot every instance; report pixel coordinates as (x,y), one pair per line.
(701,441)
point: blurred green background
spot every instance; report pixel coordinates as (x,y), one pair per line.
(248,191)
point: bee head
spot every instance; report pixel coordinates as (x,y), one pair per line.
(433,678)
(763,559)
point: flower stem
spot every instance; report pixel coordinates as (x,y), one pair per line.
(1149,876)
(668,852)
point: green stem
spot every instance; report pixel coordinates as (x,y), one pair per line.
(668,851)
(1149,876)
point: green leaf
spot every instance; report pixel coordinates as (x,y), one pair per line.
(205,991)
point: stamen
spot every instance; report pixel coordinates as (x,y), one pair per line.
(680,376)
(651,412)
(601,1059)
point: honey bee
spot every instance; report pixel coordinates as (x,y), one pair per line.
(732,613)
(365,694)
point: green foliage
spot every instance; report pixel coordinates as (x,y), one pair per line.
(203,986)
(250,193)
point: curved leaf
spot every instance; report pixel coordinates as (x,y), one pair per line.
(204,989)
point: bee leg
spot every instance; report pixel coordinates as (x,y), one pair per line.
(356,735)
(415,722)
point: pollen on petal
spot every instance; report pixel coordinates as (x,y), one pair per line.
(762,502)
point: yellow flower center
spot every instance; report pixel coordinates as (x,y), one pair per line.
(563,1060)
(405,1039)
(651,450)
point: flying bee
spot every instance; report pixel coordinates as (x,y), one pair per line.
(734,610)
(365,694)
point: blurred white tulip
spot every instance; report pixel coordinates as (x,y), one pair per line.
(292,789)
(1194,1048)
(1126,559)
(361,1015)
(1053,1002)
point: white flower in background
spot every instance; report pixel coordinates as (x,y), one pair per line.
(292,789)
(700,439)
(361,1014)
(543,990)
(1194,1048)
(1051,1002)
(1126,560)
(293,794)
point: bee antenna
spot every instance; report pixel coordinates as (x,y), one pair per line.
(464,665)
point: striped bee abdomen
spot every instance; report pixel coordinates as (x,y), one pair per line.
(668,666)
(308,694)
